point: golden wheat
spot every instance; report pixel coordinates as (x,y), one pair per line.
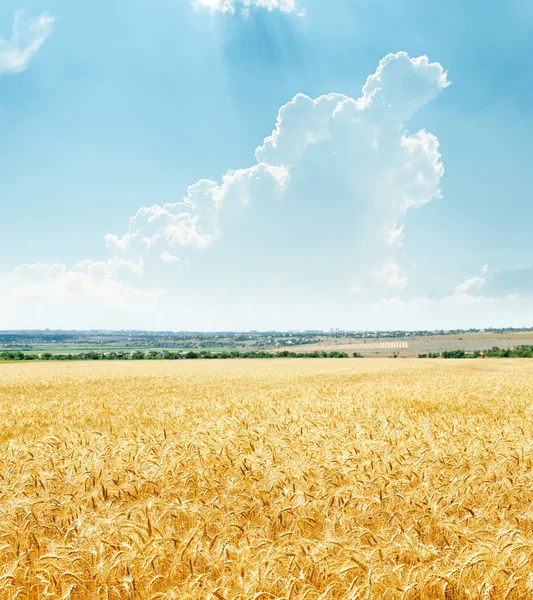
(267,479)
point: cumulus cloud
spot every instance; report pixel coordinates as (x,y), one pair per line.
(329,160)
(469,286)
(244,6)
(86,295)
(324,202)
(505,283)
(504,300)
(42,273)
(27,36)
(196,220)
(404,84)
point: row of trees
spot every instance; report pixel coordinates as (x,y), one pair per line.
(518,352)
(495,352)
(164,355)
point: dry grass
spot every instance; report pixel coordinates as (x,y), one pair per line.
(267,479)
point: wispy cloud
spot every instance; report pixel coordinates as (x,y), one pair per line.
(27,36)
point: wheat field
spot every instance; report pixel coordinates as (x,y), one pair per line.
(397,479)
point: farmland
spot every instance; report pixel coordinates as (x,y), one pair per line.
(138,344)
(265,479)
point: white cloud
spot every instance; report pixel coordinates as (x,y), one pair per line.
(195,221)
(98,271)
(509,282)
(232,6)
(38,272)
(27,36)
(506,284)
(87,295)
(111,269)
(452,312)
(322,207)
(475,286)
(395,237)
(167,257)
(391,274)
(329,160)
(398,74)
(476,302)
(472,284)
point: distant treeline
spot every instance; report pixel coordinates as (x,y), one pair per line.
(10,356)
(495,352)
(165,355)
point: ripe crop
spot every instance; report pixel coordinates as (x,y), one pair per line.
(267,479)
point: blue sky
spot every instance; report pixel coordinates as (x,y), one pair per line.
(110,108)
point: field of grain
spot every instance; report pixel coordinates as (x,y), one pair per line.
(393,479)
